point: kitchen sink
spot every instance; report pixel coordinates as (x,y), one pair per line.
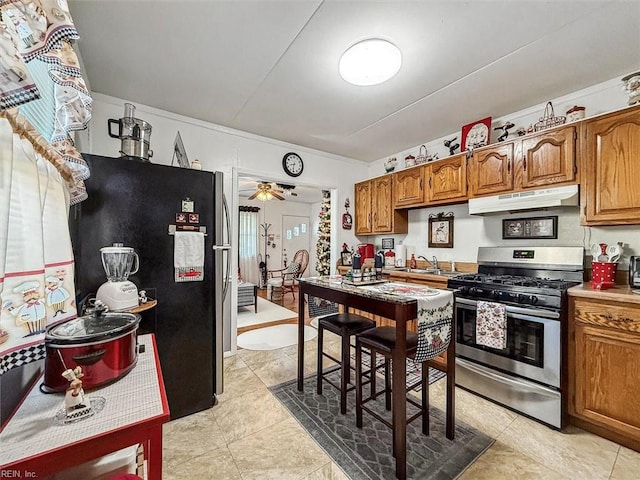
(431,271)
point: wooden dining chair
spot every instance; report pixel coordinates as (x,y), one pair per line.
(286,277)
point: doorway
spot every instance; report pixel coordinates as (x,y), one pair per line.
(295,236)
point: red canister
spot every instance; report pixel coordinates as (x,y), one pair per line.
(603,275)
(365,250)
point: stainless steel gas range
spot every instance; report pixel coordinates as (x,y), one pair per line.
(528,286)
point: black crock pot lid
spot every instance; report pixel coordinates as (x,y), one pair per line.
(93,327)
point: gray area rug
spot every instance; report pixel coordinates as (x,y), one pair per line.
(366,453)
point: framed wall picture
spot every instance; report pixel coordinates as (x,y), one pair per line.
(441,230)
(347,259)
(476,134)
(530,228)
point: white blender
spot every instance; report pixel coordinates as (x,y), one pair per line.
(118,293)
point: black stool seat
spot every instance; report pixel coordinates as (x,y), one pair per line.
(344,325)
(383,340)
(352,322)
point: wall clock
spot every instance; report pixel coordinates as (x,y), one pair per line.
(476,134)
(292,164)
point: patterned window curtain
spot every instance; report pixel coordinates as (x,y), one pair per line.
(36,258)
(41,172)
(40,74)
(248,245)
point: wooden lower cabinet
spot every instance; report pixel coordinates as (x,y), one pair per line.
(604,369)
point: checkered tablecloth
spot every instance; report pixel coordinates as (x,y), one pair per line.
(33,430)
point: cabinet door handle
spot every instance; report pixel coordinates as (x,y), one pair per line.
(524,162)
(420,184)
(429,182)
(508,166)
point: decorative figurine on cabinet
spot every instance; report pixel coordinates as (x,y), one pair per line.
(505,131)
(632,87)
(452,146)
(75,403)
(390,165)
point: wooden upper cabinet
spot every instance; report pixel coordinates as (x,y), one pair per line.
(611,149)
(547,158)
(382,207)
(408,187)
(363,208)
(374,212)
(491,169)
(447,179)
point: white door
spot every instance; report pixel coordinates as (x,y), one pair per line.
(295,236)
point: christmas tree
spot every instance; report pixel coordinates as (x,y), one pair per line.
(323,247)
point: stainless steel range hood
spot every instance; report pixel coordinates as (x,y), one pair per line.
(530,200)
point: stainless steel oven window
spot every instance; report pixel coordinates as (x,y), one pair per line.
(533,342)
(525,338)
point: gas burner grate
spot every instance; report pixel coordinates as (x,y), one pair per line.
(516,280)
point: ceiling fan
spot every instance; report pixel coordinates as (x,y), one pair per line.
(286,190)
(265,191)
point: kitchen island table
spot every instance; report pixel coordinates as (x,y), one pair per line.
(400,309)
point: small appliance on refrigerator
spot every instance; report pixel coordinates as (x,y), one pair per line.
(141,204)
(118,293)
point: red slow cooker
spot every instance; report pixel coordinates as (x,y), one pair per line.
(103,344)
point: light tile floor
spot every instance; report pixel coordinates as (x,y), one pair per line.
(249,435)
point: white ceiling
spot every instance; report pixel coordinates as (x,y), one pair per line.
(271,67)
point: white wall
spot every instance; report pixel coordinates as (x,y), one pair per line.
(471,232)
(224,149)
(234,153)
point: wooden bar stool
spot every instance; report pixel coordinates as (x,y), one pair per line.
(344,325)
(433,339)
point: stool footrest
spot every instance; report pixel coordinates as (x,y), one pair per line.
(376,415)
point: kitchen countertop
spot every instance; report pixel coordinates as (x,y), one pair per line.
(335,283)
(618,293)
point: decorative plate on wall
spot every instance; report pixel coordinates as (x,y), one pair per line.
(476,134)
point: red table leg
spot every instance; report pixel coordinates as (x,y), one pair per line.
(153,453)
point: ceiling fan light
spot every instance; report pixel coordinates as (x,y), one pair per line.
(264,196)
(370,62)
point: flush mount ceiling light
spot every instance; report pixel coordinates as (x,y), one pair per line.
(370,62)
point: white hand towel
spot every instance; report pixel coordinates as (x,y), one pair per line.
(188,250)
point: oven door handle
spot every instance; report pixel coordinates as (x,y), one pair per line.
(522,385)
(529,312)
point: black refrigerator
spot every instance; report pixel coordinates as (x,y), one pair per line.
(140,204)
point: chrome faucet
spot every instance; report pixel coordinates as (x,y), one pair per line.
(433,262)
